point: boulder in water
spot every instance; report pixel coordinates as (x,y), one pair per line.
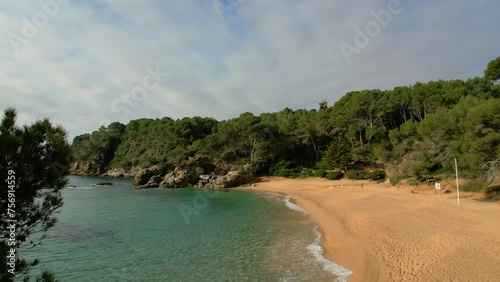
(154,182)
(143,176)
(104,183)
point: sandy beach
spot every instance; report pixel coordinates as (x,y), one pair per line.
(385,233)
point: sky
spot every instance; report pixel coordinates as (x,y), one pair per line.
(84,64)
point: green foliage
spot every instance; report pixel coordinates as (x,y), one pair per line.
(283,172)
(356,175)
(492,193)
(336,155)
(35,159)
(472,186)
(481,140)
(306,172)
(414,182)
(395,180)
(492,71)
(334,175)
(419,129)
(280,168)
(319,173)
(376,175)
(47,276)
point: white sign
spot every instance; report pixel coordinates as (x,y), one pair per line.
(438,186)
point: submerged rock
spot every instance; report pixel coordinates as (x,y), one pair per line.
(104,184)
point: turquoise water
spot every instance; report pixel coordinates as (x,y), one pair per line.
(121,234)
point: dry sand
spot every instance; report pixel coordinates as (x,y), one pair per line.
(384,233)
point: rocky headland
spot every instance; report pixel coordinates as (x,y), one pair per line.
(196,172)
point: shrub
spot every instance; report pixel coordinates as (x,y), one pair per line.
(336,175)
(295,172)
(319,173)
(492,193)
(413,182)
(472,186)
(356,174)
(376,175)
(283,172)
(395,180)
(278,168)
(306,172)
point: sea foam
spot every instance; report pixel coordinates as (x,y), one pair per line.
(80,188)
(317,251)
(293,206)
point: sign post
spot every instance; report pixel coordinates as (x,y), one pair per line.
(437,185)
(456,173)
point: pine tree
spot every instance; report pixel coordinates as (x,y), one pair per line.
(33,162)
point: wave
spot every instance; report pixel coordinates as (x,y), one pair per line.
(293,206)
(317,251)
(80,188)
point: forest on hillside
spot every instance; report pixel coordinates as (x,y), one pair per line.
(415,131)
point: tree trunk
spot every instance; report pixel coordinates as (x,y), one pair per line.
(403,112)
(315,148)
(360,139)
(382,122)
(252,152)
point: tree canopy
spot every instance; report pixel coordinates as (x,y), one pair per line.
(492,72)
(33,161)
(416,129)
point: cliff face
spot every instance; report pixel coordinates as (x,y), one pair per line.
(90,169)
(84,168)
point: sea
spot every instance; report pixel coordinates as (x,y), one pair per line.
(119,233)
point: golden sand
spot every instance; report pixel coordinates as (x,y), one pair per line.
(383,233)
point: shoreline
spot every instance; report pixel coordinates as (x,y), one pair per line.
(384,233)
(339,245)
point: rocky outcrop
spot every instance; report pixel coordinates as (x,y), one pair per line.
(153,182)
(143,176)
(181,177)
(189,174)
(196,172)
(232,179)
(84,168)
(89,169)
(115,172)
(205,179)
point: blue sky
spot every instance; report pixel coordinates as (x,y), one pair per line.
(261,56)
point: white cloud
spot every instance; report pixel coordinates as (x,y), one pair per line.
(264,56)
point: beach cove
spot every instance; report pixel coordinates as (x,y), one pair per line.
(384,233)
(118,233)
